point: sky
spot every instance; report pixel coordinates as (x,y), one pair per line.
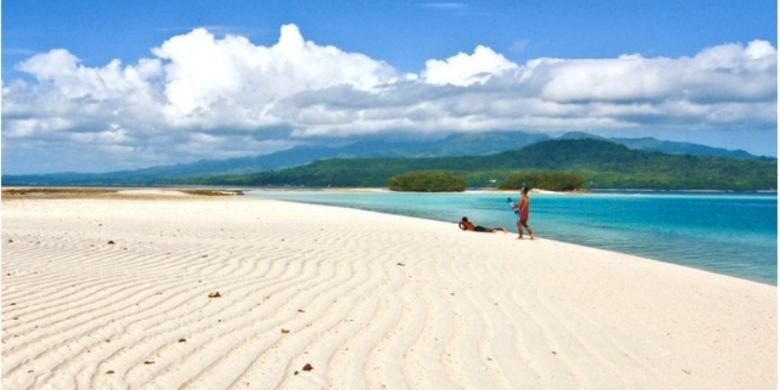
(105,85)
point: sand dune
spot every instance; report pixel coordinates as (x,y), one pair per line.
(366,300)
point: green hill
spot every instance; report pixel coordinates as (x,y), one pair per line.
(453,145)
(468,144)
(602,164)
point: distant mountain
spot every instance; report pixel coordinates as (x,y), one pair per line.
(162,174)
(650,144)
(457,144)
(582,135)
(655,145)
(474,144)
(603,164)
(477,144)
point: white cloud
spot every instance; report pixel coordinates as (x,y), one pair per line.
(465,69)
(215,82)
(727,72)
(31,127)
(201,96)
(114,135)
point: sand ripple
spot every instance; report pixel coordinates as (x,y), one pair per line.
(367,300)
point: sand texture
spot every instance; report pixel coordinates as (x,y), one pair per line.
(234,292)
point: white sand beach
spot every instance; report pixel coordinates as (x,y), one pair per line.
(115,293)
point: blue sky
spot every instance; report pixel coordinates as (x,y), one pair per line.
(403,33)
(404,36)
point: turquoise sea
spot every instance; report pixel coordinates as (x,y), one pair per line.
(732,234)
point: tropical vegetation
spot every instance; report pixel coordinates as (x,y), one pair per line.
(598,163)
(427,181)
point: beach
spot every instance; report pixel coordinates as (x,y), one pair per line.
(167,290)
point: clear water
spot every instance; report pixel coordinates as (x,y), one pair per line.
(725,233)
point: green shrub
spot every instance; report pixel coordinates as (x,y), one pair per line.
(427,181)
(553,181)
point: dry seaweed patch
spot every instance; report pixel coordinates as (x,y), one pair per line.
(114,193)
(213,192)
(47,193)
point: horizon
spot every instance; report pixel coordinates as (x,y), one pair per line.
(118,90)
(406,138)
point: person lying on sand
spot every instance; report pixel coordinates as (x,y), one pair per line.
(464,224)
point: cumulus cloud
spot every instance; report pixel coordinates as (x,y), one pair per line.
(201,96)
(212,82)
(465,69)
(722,73)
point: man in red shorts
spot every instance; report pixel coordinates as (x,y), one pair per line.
(522,211)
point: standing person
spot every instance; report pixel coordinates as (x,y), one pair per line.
(522,212)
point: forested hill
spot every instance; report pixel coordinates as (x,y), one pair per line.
(603,164)
(453,145)
(472,144)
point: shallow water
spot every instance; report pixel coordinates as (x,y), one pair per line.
(725,233)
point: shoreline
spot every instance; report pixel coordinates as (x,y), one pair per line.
(189,193)
(694,258)
(366,298)
(156,194)
(558,242)
(583,191)
(185,193)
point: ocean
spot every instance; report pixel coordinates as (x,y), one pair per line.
(732,234)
